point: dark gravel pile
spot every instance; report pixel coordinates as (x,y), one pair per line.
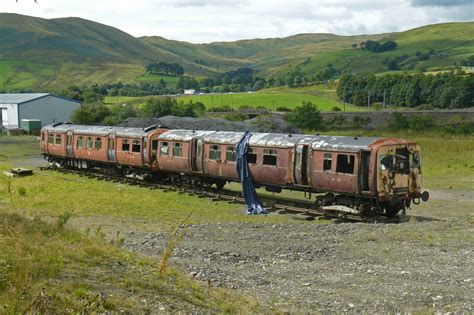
(263,124)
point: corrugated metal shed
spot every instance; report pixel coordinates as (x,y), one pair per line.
(18,98)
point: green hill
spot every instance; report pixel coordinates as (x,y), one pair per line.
(48,54)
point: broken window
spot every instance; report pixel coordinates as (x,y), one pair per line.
(252,156)
(164,149)
(136,146)
(215,152)
(125,146)
(345,163)
(270,157)
(327,164)
(386,162)
(80,143)
(230,154)
(59,140)
(178,149)
(415,160)
(154,145)
(51,138)
(98,143)
(90,143)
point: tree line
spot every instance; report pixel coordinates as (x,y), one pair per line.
(447,90)
(173,69)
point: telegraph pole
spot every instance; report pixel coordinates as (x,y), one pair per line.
(368,100)
(344,99)
(384,99)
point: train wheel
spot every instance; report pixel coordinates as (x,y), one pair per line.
(220,184)
(391,211)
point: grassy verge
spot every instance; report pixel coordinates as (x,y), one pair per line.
(49,268)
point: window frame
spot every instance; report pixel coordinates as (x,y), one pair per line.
(270,153)
(327,156)
(80,139)
(213,155)
(252,152)
(90,143)
(125,143)
(98,140)
(177,149)
(350,162)
(51,138)
(135,144)
(231,150)
(57,137)
(164,144)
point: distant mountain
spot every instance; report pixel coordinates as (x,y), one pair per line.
(45,54)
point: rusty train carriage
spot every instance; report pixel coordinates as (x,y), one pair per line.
(371,174)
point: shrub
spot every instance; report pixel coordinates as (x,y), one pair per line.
(306,116)
(283,109)
(336,109)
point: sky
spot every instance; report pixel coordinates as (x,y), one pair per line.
(201,21)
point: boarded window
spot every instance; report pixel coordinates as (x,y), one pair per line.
(327,164)
(270,157)
(125,146)
(252,156)
(90,143)
(230,154)
(164,149)
(59,139)
(98,143)
(80,143)
(177,149)
(215,152)
(51,138)
(345,163)
(136,146)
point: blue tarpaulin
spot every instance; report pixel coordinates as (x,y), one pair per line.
(254,206)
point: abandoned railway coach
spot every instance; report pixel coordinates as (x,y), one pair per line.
(95,146)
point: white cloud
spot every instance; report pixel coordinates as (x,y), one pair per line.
(218,20)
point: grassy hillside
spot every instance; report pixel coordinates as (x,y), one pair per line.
(42,54)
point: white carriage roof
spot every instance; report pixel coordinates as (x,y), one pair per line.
(100,130)
(336,143)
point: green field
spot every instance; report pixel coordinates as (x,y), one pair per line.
(268,99)
(169,80)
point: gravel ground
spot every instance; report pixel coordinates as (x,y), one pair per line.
(423,264)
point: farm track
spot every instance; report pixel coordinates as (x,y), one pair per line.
(301,209)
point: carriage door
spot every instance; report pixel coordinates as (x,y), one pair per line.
(69,143)
(111,148)
(197,151)
(364,175)
(301,164)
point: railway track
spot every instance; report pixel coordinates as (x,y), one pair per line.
(300,209)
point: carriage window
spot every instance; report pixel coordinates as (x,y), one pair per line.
(270,157)
(386,162)
(345,163)
(154,145)
(415,160)
(251,156)
(80,143)
(230,154)
(164,149)
(136,146)
(51,138)
(178,149)
(90,143)
(327,161)
(125,146)
(98,143)
(59,139)
(215,152)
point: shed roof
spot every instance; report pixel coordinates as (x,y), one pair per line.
(19,98)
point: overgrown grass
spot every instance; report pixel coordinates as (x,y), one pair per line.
(49,268)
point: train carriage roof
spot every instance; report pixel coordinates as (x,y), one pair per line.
(336,143)
(99,130)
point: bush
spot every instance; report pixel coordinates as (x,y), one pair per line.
(306,116)
(336,109)
(90,114)
(283,109)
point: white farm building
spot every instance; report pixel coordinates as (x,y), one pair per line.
(43,107)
